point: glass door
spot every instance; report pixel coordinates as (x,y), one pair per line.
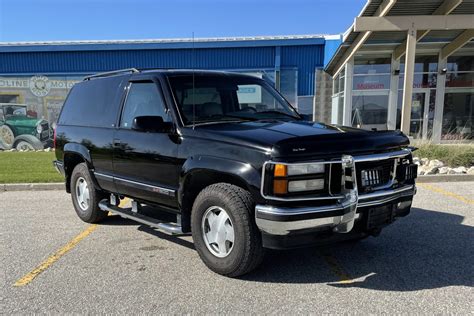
(419,113)
(417,121)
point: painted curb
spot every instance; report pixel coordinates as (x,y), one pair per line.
(445,178)
(31,186)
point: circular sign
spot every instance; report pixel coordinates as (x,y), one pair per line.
(40,85)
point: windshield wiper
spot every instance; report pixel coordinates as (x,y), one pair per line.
(278,112)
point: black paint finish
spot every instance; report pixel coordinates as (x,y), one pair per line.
(156,167)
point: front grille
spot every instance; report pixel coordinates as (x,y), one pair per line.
(373,174)
(45,131)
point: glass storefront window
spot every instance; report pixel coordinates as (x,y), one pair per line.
(458,115)
(461,63)
(370,110)
(460,79)
(372,65)
(371,82)
(421,80)
(422,64)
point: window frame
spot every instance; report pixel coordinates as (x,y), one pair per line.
(159,90)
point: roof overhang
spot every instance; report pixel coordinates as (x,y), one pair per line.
(442,26)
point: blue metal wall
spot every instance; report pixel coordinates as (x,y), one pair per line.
(304,57)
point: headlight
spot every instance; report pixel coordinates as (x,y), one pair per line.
(294,170)
(305,185)
(287,178)
(39,128)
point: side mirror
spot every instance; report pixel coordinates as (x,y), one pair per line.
(153,124)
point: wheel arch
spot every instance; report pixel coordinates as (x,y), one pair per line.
(75,154)
(200,172)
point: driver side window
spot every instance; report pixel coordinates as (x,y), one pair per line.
(143,99)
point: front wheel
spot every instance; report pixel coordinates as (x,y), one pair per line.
(224,233)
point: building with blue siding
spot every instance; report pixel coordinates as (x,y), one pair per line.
(39,74)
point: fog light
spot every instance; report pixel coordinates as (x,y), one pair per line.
(404,204)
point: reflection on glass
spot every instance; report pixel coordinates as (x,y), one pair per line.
(370,111)
(458,115)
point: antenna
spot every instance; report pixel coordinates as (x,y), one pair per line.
(194,104)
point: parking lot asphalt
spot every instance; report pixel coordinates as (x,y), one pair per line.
(423,263)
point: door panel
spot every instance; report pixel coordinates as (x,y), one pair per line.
(145,164)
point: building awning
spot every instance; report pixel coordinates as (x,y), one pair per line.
(394,41)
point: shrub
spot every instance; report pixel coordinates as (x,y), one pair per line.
(452,155)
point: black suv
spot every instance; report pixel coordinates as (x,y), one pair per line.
(229,160)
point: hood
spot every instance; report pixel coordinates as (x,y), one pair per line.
(300,138)
(23,121)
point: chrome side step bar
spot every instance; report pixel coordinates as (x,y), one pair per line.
(166,227)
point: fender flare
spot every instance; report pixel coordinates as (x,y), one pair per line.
(240,170)
(78,149)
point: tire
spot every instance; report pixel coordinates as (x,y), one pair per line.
(27,142)
(86,208)
(7,137)
(245,253)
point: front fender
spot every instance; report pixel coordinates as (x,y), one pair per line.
(242,172)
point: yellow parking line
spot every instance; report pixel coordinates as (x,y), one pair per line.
(446,193)
(344,277)
(61,252)
(55,257)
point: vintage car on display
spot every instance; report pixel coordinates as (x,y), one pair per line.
(20,131)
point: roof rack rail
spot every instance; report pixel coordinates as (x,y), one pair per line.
(111,73)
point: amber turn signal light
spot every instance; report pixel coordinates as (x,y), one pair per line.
(280,186)
(280,170)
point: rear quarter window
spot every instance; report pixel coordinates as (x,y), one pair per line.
(93,103)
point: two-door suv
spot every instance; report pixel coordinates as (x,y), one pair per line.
(229,160)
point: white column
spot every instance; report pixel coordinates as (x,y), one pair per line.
(334,110)
(347,112)
(439,101)
(408,80)
(393,94)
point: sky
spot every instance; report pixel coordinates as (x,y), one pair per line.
(60,20)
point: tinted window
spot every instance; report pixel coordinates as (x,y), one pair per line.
(92,103)
(143,99)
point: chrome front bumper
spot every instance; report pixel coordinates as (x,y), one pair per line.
(339,217)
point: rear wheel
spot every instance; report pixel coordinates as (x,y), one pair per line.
(84,195)
(224,233)
(24,145)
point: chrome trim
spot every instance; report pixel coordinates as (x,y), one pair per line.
(154,188)
(383,156)
(341,224)
(385,192)
(375,157)
(268,209)
(103,175)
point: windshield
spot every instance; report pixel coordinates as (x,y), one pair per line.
(13,110)
(218,98)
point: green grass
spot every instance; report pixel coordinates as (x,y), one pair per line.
(452,155)
(28,167)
